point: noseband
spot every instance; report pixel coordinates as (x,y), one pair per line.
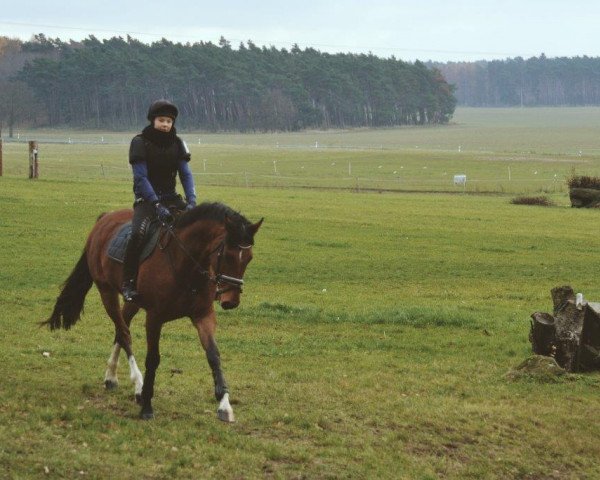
(231,283)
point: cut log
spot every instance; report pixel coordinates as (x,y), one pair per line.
(542,334)
(572,334)
(589,355)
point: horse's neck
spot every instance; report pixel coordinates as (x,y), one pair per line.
(201,238)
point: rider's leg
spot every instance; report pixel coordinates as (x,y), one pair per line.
(142,215)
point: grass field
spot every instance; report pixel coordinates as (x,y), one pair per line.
(501,151)
(372,341)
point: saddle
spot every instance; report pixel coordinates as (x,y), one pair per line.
(118,244)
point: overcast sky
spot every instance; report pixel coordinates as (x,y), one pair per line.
(427,29)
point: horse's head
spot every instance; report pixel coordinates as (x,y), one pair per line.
(233,258)
(226,238)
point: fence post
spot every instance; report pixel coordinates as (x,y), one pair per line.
(0,157)
(33,160)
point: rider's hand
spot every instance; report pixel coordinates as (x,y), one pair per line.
(164,214)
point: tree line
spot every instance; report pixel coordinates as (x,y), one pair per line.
(536,81)
(110,83)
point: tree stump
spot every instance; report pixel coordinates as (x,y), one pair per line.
(571,335)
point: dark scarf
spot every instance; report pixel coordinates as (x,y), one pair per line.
(161,139)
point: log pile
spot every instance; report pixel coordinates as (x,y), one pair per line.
(571,335)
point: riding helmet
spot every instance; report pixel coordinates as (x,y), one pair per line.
(162,108)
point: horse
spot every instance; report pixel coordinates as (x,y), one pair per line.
(200,258)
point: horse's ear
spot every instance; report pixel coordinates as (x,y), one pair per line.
(254,227)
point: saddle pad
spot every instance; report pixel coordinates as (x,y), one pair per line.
(118,244)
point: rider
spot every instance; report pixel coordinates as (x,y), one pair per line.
(156,156)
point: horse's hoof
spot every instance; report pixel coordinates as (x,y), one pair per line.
(111,384)
(147,415)
(225,415)
(138,398)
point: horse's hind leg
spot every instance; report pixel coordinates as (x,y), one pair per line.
(128,312)
(111,380)
(122,320)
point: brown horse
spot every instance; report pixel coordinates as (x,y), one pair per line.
(202,257)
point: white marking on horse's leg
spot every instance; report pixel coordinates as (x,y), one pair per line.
(110,377)
(135,375)
(225,412)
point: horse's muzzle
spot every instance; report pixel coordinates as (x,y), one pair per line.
(229,304)
(229,297)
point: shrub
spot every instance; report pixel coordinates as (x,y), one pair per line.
(583,181)
(543,201)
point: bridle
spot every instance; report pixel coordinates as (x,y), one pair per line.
(231,283)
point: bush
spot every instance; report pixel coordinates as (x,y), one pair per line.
(582,181)
(543,201)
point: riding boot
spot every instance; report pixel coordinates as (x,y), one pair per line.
(130,294)
(130,268)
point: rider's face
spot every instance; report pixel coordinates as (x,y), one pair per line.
(164,124)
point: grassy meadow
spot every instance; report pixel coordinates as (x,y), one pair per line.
(500,151)
(374,334)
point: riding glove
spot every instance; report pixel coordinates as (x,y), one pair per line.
(164,214)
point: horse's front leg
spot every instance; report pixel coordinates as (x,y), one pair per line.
(206,327)
(153,328)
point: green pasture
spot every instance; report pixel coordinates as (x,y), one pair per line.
(374,334)
(500,150)
(372,342)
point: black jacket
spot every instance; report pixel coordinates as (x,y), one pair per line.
(162,154)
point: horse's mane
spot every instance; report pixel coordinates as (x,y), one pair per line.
(218,212)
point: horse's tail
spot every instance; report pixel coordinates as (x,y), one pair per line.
(69,303)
